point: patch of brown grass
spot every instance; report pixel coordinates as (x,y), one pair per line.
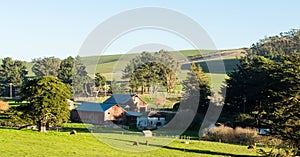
(238,135)
(4,105)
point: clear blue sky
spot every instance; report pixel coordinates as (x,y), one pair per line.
(31,29)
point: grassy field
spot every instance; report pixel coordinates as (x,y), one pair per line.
(32,143)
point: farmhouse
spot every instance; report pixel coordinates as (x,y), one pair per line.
(120,108)
(130,102)
(98,113)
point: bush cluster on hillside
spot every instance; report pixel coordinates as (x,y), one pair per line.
(238,135)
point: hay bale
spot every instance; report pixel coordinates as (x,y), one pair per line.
(251,147)
(147,133)
(73,132)
(136,143)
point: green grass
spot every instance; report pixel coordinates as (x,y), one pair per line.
(191,53)
(32,143)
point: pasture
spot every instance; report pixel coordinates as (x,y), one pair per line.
(32,143)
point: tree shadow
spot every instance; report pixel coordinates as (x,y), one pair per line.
(78,129)
(229,65)
(9,128)
(207,152)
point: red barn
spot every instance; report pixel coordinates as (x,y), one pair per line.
(130,102)
(98,113)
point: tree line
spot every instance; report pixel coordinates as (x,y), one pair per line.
(46,94)
(266,84)
(70,71)
(148,71)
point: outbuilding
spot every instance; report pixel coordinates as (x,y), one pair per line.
(130,102)
(98,113)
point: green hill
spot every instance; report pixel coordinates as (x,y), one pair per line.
(109,64)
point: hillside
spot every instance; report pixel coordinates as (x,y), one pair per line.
(111,66)
(114,64)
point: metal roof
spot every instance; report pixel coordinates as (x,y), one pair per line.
(119,98)
(135,114)
(95,107)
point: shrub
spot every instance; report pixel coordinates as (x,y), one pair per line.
(270,141)
(276,152)
(238,135)
(244,120)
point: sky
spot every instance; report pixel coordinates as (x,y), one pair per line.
(32,29)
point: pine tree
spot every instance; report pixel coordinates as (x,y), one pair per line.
(196,88)
(66,70)
(47,97)
(12,72)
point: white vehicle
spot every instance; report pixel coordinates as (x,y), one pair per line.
(150,122)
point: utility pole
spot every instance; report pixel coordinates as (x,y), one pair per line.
(104,88)
(244,103)
(10,90)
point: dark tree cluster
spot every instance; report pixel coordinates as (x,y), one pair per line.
(148,71)
(267,83)
(274,47)
(47,92)
(12,77)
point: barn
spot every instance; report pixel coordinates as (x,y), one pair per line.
(98,113)
(130,102)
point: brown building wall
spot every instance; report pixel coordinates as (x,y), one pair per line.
(141,106)
(91,117)
(114,113)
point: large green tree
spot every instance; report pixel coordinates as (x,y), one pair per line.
(249,87)
(171,67)
(47,66)
(150,70)
(47,97)
(66,70)
(12,72)
(268,81)
(197,88)
(81,83)
(100,83)
(285,122)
